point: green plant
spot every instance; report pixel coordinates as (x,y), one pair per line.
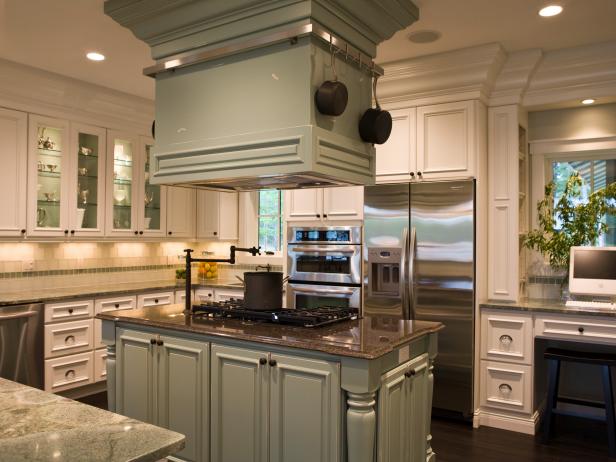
(573,221)
(180,274)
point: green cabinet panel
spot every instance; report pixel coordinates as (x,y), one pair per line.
(182,393)
(135,375)
(238,405)
(304,410)
(402,412)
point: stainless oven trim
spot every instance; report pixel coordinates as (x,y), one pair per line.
(355,234)
(316,250)
(353,293)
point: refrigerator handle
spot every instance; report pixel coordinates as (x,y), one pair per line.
(404,280)
(411,273)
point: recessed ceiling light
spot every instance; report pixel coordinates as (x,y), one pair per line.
(424,36)
(94,56)
(550,10)
(588,101)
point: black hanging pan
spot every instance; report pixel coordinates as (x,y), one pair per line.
(375,124)
(331,97)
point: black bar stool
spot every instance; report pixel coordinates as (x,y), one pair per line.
(554,357)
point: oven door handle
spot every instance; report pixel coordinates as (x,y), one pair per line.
(315,249)
(322,291)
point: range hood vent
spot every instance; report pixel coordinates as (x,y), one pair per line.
(235,88)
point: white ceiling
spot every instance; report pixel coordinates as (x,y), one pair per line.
(513,23)
(55,34)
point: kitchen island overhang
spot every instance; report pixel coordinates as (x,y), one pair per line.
(363,355)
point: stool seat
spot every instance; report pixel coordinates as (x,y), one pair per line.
(574,356)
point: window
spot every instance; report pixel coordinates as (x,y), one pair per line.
(597,174)
(269,219)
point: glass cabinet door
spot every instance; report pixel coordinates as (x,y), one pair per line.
(49,166)
(121,153)
(87,210)
(154,197)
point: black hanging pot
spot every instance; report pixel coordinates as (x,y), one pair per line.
(263,290)
(154,129)
(331,97)
(375,124)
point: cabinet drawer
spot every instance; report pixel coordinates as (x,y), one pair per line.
(118,303)
(68,372)
(157,299)
(98,334)
(507,336)
(68,337)
(582,328)
(506,386)
(100,365)
(221,295)
(64,311)
(204,295)
(180,296)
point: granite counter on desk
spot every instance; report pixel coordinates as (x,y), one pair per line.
(547,306)
(298,393)
(39,426)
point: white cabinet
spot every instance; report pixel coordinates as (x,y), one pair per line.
(506,336)
(155,299)
(397,158)
(69,372)
(181,212)
(434,142)
(222,295)
(324,204)
(217,215)
(13,158)
(152,199)
(49,174)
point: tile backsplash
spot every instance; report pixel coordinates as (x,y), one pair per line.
(29,266)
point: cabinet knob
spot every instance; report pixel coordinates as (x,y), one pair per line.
(262,361)
(23,231)
(155,300)
(505,340)
(170,233)
(69,340)
(505,389)
(152,341)
(160,342)
(418,173)
(117,305)
(140,232)
(136,232)
(70,374)
(72,231)
(66,231)
(318,215)
(410,373)
(272,362)
(325,215)
(412,174)
(70,311)
(581,330)
(215,233)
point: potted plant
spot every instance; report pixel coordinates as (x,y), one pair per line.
(576,219)
(180,276)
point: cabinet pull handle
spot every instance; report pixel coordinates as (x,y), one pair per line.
(23,231)
(318,215)
(117,305)
(70,374)
(136,232)
(140,232)
(410,373)
(325,215)
(152,341)
(505,389)
(272,362)
(66,231)
(159,342)
(72,231)
(215,233)
(418,173)
(155,300)
(262,361)
(169,233)
(70,311)
(69,339)
(581,330)
(506,340)
(412,174)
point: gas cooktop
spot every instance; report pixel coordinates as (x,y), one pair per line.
(314,317)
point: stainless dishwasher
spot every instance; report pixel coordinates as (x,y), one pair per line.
(21,343)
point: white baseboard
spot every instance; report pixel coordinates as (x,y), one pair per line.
(514,423)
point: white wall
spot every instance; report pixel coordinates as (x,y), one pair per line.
(575,123)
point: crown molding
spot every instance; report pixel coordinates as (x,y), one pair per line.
(514,77)
(468,73)
(573,74)
(37,91)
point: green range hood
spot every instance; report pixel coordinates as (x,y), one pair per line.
(235,86)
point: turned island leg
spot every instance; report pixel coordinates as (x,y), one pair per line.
(361,426)
(430,454)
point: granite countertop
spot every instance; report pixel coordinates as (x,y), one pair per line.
(38,426)
(547,306)
(105,290)
(369,338)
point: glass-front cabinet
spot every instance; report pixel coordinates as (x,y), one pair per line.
(122,193)
(87,203)
(152,219)
(49,165)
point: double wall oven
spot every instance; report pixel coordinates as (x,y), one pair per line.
(324,266)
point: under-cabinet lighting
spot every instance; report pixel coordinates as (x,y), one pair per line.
(94,56)
(550,10)
(588,101)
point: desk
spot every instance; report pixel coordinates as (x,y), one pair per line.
(508,396)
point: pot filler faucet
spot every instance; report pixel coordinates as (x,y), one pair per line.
(189,260)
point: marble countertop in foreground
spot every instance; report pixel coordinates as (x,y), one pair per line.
(105,290)
(36,426)
(547,306)
(369,337)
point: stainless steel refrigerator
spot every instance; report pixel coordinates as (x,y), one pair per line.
(419,263)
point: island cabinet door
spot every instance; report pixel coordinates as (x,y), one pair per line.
(135,375)
(304,410)
(239,384)
(417,393)
(182,394)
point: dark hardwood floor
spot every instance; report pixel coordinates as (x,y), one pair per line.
(576,441)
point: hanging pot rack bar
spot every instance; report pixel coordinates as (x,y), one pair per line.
(337,45)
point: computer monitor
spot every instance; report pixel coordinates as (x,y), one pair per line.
(592,271)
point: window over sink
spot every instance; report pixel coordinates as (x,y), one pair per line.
(270,220)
